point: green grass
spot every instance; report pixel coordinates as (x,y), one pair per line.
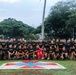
(69,64)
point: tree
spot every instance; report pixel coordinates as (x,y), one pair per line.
(57,22)
(15,29)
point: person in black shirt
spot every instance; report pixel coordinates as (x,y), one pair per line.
(31,51)
(4,49)
(68,45)
(3,42)
(15,49)
(72,52)
(64,54)
(75,44)
(11,52)
(51,53)
(1,52)
(61,44)
(52,48)
(20,53)
(25,52)
(45,53)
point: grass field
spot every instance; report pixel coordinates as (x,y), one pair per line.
(69,64)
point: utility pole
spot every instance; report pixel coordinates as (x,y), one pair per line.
(43,19)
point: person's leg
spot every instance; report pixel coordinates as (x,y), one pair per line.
(9,55)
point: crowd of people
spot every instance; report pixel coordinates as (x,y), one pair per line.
(21,49)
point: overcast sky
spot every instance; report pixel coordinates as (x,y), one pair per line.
(27,11)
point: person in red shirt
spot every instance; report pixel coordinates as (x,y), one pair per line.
(39,52)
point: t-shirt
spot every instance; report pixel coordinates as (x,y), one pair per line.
(11,50)
(31,50)
(3,44)
(61,45)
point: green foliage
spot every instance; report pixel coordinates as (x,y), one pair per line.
(71,22)
(16,29)
(61,20)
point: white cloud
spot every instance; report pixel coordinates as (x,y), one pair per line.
(10,1)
